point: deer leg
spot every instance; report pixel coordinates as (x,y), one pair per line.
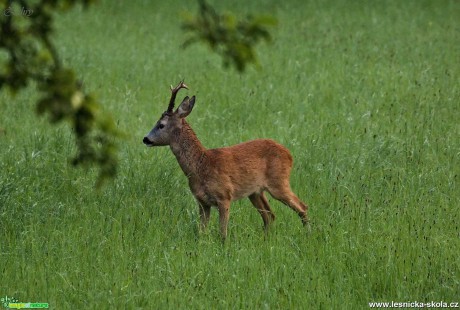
(267,206)
(205,212)
(286,196)
(224,213)
(261,204)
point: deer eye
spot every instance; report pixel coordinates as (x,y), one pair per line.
(161,126)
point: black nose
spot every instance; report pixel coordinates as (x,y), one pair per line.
(146,140)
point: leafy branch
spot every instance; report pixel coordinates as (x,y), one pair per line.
(233,39)
(32,57)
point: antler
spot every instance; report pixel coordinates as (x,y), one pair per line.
(174,92)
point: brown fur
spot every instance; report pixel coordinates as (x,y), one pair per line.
(219,176)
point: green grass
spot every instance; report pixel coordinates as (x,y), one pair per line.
(366,97)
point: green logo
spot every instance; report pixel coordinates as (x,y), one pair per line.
(5,301)
(12,303)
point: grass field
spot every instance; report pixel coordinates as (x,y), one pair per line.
(364,94)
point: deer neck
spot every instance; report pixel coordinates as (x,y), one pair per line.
(188,150)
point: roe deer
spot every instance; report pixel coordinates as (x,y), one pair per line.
(219,176)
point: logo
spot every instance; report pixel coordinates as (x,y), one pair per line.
(12,303)
(15,11)
(10,11)
(4,301)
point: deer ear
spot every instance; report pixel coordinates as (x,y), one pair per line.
(185,107)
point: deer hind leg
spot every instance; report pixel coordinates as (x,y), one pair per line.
(260,202)
(267,206)
(286,196)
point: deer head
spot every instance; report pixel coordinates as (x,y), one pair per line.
(170,121)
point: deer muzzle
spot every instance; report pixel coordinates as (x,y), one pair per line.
(147,141)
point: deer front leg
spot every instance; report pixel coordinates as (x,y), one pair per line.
(205,212)
(224,213)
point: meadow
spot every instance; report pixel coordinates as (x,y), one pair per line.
(365,95)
